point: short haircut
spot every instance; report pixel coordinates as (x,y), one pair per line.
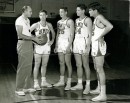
(96,6)
(43,11)
(25,8)
(65,9)
(82,6)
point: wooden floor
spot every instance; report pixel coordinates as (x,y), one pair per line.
(118,87)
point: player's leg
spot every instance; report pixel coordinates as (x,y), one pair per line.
(61,57)
(97,90)
(99,65)
(85,59)
(69,67)
(37,59)
(45,59)
(78,59)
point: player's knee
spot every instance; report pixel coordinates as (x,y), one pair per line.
(62,63)
(79,65)
(68,63)
(100,70)
(44,65)
(85,65)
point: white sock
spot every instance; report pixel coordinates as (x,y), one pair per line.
(103,89)
(98,87)
(43,79)
(62,78)
(79,80)
(69,81)
(35,80)
(88,82)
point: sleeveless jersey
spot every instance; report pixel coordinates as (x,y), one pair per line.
(97,30)
(81,29)
(64,30)
(42,30)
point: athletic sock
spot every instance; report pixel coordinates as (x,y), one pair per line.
(61,78)
(43,79)
(103,89)
(87,82)
(69,81)
(79,80)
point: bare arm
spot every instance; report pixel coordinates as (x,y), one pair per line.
(71,25)
(88,23)
(33,27)
(108,25)
(57,36)
(52,32)
(22,36)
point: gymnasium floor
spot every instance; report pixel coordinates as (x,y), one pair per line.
(118,87)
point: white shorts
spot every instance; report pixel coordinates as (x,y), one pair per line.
(62,45)
(45,49)
(80,46)
(98,49)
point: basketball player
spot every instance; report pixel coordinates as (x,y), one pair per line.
(100,28)
(81,47)
(42,52)
(63,46)
(25,52)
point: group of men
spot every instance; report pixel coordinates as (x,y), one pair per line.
(78,37)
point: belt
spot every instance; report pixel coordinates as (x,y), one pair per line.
(21,39)
(24,39)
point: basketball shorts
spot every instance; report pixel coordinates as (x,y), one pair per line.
(98,48)
(62,45)
(80,46)
(45,49)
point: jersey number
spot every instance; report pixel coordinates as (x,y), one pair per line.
(78,31)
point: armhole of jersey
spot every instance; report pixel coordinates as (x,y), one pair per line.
(38,23)
(84,20)
(97,25)
(58,24)
(67,22)
(48,26)
(37,28)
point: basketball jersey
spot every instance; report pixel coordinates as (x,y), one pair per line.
(97,31)
(81,29)
(64,30)
(43,30)
(98,48)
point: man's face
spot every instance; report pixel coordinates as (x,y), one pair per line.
(28,12)
(62,13)
(42,16)
(91,12)
(79,11)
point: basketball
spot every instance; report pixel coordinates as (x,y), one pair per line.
(43,39)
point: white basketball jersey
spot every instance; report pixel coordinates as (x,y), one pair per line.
(97,31)
(42,30)
(81,29)
(64,30)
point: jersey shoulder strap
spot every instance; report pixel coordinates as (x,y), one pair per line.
(84,21)
(67,22)
(47,24)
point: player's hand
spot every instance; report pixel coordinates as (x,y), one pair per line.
(55,50)
(68,49)
(101,40)
(37,40)
(50,43)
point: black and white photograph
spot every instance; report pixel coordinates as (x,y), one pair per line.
(64,51)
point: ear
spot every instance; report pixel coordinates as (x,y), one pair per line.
(46,16)
(96,10)
(66,13)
